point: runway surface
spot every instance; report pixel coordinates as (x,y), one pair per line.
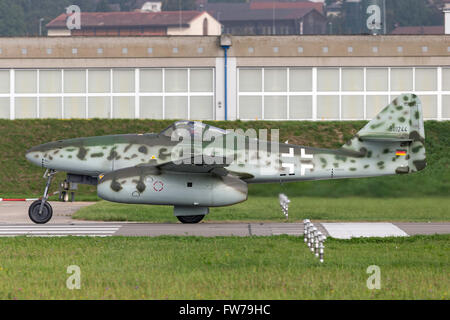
(335,230)
(14,221)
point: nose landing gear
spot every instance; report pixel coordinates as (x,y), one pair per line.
(41,211)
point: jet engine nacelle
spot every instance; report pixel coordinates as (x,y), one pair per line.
(148,185)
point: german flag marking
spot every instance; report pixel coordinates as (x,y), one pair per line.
(400,153)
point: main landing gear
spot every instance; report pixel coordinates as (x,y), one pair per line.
(41,211)
(190,214)
(190,219)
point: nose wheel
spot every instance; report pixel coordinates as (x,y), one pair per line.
(39,216)
(41,211)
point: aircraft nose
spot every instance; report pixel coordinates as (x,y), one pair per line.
(34,156)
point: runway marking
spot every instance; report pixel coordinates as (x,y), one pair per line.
(289,230)
(59,231)
(364,230)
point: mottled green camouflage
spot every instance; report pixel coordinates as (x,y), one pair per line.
(130,165)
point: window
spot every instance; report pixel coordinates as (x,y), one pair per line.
(377,79)
(250,107)
(123,107)
(275,107)
(300,107)
(99,107)
(74,81)
(4,81)
(50,81)
(99,81)
(426,79)
(4,108)
(327,107)
(176,108)
(151,108)
(74,107)
(250,80)
(352,79)
(328,79)
(352,107)
(176,80)
(201,80)
(446,79)
(401,79)
(26,81)
(446,107)
(300,79)
(26,108)
(50,108)
(123,80)
(201,108)
(429,106)
(151,80)
(275,80)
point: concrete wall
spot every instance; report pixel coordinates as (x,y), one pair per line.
(306,50)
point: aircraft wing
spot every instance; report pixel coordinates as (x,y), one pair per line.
(196,164)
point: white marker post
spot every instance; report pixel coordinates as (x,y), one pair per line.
(318,237)
(313,236)
(311,226)
(321,249)
(306,223)
(284,204)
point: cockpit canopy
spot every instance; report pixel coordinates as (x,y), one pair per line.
(196,129)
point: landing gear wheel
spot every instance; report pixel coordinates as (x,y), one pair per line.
(42,218)
(190,219)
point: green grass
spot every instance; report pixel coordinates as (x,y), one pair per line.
(223,268)
(18,178)
(268,209)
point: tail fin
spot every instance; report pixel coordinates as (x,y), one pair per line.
(398,126)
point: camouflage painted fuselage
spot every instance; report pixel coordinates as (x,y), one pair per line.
(393,143)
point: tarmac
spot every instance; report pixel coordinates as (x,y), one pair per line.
(14,221)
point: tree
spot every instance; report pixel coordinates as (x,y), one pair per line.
(12,19)
(103,6)
(412,13)
(34,10)
(175,5)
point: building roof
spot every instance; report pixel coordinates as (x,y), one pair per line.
(286,5)
(243,12)
(129,19)
(419,30)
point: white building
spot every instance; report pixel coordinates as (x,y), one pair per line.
(268,78)
(152,6)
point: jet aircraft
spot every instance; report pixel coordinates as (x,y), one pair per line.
(193,166)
